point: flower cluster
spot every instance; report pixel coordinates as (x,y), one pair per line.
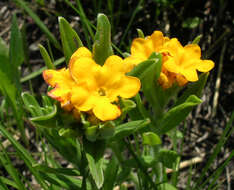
(180,64)
(88,87)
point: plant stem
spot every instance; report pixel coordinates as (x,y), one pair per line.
(142,168)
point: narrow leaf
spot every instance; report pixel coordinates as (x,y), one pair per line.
(111,174)
(46,57)
(150,138)
(102,48)
(62,171)
(7,164)
(24,155)
(168,157)
(94,153)
(177,114)
(131,127)
(70,39)
(41,25)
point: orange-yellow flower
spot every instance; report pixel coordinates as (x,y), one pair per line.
(180,64)
(87,86)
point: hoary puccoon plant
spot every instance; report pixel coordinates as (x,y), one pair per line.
(106,114)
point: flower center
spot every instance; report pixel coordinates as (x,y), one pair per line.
(101,92)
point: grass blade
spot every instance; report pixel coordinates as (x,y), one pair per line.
(24,155)
(39,71)
(226,133)
(7,164)
(40,24)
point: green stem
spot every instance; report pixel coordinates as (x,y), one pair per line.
(142,168)
(83,169)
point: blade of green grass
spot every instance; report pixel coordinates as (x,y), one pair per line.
(46,57)
(3,184)
(38,72)
(136,10)
(87,25)
(217,173)
(226,133)
(40,24)
(25,156)
(7,164)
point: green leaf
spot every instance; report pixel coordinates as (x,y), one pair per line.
(140,33)
(150,138)
(102,48)
(39,71)
(106,130)
(138,70)
(4,51)
(197,39)
(167,186)
(127,105)
(64,182)
(131,127)
(40,24)
(70,39)
(47,120)
(168,157)
(94,154)
(3,183)
(111,174)
(177,114)
(63,171)
(91,133)
(16,44)
(148,160)
(191,22)
(193,89)
(31,104)
(67,147)
(12,171)
(25,156)
(67,132)
(46,57)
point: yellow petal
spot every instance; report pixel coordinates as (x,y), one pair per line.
(62,83)
(192,51)
(80,52)
(128,87)
(157,40)
(131,61)
(189,74)
(83,70)
(138,49)
(205,65)
(105,111)
(57,77)
(114,64)
(174,48)
(170,65)
(61,94)
(81,99)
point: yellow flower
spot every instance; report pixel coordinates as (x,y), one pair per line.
(87,86)
(180,64)
(142,48)
(185,60)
